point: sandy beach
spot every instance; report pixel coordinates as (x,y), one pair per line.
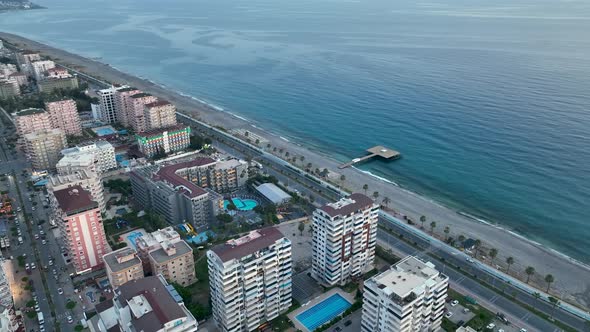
(572,278)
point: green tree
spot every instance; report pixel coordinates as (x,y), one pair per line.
(268,146)
(309,166)
(70,305)
(530,271)
(477,245)
(493,254)
(301,158)
(375,194)
(342,178)
(509,261)
(447,230)
(422,220)
(301,228)
(461,238)
(386,201)
(365,188)
(549,279)
(432,227)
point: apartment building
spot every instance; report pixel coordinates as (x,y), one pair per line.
(344,239)
(31,120)
(57,73)
(220,176)
(50,83)
(24,60)
(144,305)
(164,252)
(63,114)
(166,191)
(39,68)
(86,178)
(8,320)
(122,266)
(124,104)
(5,292)
(20,78)
(80,224)
(101,152)
(7,69)
(250,280)
(163,140)
(136,118)
(159,114)
(408,297)
(43,148)
(9,87)
(108,104)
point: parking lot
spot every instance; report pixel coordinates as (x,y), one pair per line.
(457,313)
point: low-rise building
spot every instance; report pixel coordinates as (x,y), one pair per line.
(145,305)
(31,120)
(63,114)
(80,224)
(168,192)
(167,254)
(43,148)
(162,141)
(8,321)
(102,153)
(122,266)
(344,239)
(48,84)
(250,280)
(410,296)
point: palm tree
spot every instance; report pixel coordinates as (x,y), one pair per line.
(365,188)
(342,178)
(309,165)
(257,141)
(386,201)
(287,154)
(477,244)
(432,227)
(301,158)
(301,227)
(268,146)
(422,220)
(555,302)
(461,238)
(493,253)
(274,149)
(529,272)
(509,261)
(447,230)
(281,151)
(549,279)
(375,194)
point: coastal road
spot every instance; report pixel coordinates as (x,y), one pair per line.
(473,273)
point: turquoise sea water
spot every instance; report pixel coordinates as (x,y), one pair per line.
(487,101)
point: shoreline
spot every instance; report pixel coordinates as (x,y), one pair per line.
(569,272)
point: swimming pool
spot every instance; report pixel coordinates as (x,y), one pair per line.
(131,237)
(323,312)
(242,204)
(104,131)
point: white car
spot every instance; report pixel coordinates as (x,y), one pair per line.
(454,303)
(60,291)
(490,326)
(522,330)
(43,242)
(501,330)
(33,266)
(36,236)
(70,320)
(33,208)
(54,272)
(449,314)
(50,262)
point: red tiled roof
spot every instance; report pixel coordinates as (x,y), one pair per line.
(158,103)
(360,202)
(74,200)
(168,174)
(227,251)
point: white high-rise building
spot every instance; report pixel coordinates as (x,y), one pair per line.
(5,293)
(250,280)
(108,104)
(344,238)
(408,297)
(102,153)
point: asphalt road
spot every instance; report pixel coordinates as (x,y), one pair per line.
(48,297)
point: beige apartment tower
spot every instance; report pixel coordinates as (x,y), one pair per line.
(122,266)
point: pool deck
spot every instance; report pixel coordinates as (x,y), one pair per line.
(124,236)
(304,307)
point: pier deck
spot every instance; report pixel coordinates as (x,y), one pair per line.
(376,151)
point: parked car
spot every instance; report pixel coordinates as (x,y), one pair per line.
(454,303)
(490,326)
(449,314)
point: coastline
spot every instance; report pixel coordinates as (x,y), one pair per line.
(572,276)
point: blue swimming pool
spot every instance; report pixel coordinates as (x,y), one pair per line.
(323,312)
(132,237)
(104,131)
(242,204)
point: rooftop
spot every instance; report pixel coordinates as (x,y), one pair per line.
(158,103)
(168,174)
(248,244)
(273,193)
(74,200)
(140,95)
(159,131)
(405,277)
(121,259)
(29,111)
(126,89)
(348,205)
(163,307)
(179,248)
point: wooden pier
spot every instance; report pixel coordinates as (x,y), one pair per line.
(376,151)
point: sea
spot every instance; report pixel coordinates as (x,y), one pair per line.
(488,101)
